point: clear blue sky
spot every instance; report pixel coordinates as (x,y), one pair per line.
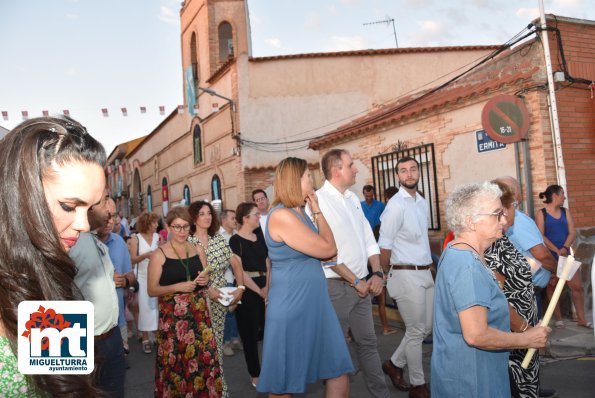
(84,55)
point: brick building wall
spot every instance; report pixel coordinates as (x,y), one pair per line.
(576,111)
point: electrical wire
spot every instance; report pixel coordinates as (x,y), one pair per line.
(267,146)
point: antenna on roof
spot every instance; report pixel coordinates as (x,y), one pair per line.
(387,21)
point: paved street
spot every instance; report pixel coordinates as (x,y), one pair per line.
(570,371)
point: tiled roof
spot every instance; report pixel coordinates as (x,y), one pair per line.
(221,70)
(384,51)
(404,108)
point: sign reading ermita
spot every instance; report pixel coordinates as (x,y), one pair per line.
(485,143)
(505,119)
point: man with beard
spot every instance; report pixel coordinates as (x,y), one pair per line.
(346,277)
(405,255)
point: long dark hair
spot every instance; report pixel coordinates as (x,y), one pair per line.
(194,209)
(547,194)
(33,263)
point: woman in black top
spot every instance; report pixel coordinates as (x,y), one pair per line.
(187,358)
(250,246)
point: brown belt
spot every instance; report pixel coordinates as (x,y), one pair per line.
(255,274)
(411,267)
(105,335)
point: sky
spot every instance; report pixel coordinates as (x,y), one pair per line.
(85,55)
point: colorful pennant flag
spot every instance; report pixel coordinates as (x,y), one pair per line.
(180,109)
(5,115)
(104,111)
(143,109)
(124,111)
(25,115)
(161,110)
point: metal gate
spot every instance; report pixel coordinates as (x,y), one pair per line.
(385,176)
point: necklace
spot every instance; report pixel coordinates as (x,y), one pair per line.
(185,264)
(491,271)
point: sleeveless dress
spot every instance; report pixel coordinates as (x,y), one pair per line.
(303,341)
(187,363)
(147,306)
(555,229)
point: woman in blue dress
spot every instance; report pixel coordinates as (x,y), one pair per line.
(303,341)
(557,227)
(471,318)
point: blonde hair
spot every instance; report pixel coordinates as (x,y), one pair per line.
(288,186)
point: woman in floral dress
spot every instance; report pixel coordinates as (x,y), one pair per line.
(219,257)
(187,362)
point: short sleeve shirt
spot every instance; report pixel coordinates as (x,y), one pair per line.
(459,369)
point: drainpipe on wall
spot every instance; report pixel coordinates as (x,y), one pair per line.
(553,107)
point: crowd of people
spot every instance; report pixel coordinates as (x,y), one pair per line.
(298,274)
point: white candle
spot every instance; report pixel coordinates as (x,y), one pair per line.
(552,305)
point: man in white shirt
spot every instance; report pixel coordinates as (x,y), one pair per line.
(262,203)
(356,246)
(405,254)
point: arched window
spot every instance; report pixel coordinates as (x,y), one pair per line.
(194,58)
(215,188)
(197,141)
(149,199)
(225,42)
(165,196)
(186,194)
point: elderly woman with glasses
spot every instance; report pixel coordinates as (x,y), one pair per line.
(471,317)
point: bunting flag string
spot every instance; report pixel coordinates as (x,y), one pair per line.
(25,114)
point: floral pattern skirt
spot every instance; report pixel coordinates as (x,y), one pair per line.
(187,363)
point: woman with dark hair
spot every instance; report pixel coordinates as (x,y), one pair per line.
(303,340)
(51,174)
(252,251)
(557,227)
(219,256)
(514,272)
(187,361)
(140,246)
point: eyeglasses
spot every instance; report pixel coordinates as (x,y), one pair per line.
(178,228)
(499,214)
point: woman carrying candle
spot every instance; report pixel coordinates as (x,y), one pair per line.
(471,316)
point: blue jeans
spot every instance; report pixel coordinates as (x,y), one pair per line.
(111,372)
(230,331)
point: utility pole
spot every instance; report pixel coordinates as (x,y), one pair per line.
(387,21)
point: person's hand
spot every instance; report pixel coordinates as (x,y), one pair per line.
(265,292)
(562,252)
(237,296)
(214,294)
(537,336)
(186,287)
(202,279)
(119,280)
(312,201)
(362,288)
(375,285)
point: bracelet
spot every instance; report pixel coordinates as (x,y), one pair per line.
(526,325)
(355,282)
(242,287)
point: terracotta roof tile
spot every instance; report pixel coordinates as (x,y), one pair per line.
(404,108)
(384,51)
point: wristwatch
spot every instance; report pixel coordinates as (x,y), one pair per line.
(379,274)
